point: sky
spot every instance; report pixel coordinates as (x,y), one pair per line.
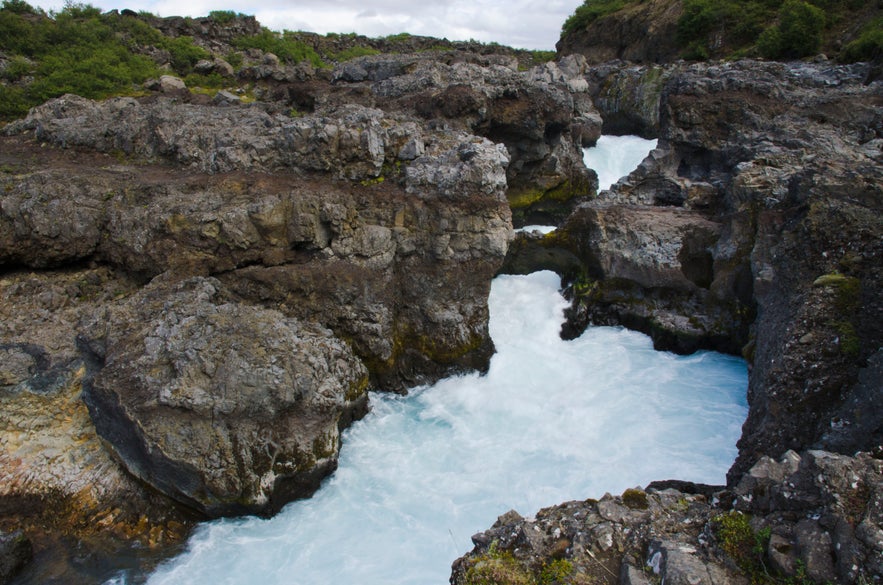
(525,24)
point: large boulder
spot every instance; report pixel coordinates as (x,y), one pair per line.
(226,407)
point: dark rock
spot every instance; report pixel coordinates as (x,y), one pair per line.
(645,32)
(689,538)
(15,553)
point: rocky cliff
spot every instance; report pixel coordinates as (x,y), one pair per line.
(222,285)
(753,227)
(197,292)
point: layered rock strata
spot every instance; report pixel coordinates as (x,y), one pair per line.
(197,298)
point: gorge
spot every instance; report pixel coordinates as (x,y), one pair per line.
(199,290)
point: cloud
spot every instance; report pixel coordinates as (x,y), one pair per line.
(529,24)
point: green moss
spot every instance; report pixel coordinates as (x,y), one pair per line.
(850,344)
(740,542)
(635,499)
(357,389)
(497,567)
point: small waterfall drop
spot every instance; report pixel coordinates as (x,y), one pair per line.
(551,421)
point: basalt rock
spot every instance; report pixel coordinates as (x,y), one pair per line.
(15,553)
(755,224)
(644,32)
(360,252)
(219,283)
(813,516)
(543,116)
(226,407)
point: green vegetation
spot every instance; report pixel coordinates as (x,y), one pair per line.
(79,50)
(774,29)
(798,33)
(868,46)
(497,567)
(284,45)
(740,542)
(224,16)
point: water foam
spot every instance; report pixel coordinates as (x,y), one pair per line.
(614,157)
(552,420)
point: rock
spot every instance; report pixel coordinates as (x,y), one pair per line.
(225,98)
(815,550)
(645,33)
(688,538)
(542,115)
(227,408)
(15,553)
(781,211)
(171,84)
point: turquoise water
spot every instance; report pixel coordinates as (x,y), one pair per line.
(551,421)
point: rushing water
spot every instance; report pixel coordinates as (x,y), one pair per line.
(615,156)
(551,421)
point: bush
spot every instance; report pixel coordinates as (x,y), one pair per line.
(224,16)
(16,68)
(19,7)
(78,51)
(801,25)
(284,46)
(868,46)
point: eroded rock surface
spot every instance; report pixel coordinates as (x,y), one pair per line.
(219,283)
(814,516)
(754,225)
(227,407)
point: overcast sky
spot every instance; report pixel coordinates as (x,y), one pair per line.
(527,24)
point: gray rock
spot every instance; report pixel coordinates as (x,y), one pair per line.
(224,407)
(171,84)
(815,550)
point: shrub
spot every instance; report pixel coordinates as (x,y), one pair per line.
(798,33)
(868,46)
(284,46)
(224,16)
(78,51)
(185,54)
(19,7)
(16,68)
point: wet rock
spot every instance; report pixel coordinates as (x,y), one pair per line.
(15,553)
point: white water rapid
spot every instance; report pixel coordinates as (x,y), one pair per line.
(613,157)
(552,421)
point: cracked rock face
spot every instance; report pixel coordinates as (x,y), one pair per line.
(226,407)
(815,512)
(221,285)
